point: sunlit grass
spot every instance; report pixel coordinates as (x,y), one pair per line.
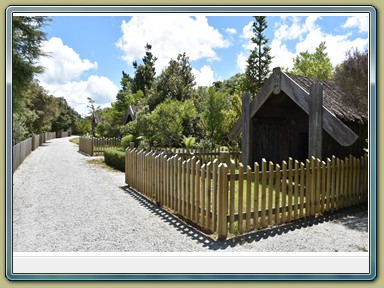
(75,140)
(261,196)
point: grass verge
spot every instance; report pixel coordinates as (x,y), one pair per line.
(75,140)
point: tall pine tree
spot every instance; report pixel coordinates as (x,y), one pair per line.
(145,73)
(257,69)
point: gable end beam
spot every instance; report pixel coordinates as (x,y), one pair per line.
(334,126)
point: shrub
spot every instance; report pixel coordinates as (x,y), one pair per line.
(115,158)
(126,140)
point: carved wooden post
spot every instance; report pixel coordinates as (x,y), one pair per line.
(246,135)
(276,86)
(315,121)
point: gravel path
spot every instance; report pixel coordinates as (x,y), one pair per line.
(64,203)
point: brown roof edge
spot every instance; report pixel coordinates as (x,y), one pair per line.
(271,86)
(332,124)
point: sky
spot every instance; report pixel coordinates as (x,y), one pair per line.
(87,54)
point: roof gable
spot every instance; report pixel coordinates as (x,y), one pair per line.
(280,81)
(130,115)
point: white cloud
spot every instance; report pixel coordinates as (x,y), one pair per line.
(360,22)
(289,31)
(61,77)
(309,36)
(241,61)
(247,31)
(282,57)
(169,36)
(231,31)
(204,77)
(63,63)
(102,90)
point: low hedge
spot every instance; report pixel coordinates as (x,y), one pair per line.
(115,158)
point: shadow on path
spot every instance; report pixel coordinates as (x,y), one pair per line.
(353,218)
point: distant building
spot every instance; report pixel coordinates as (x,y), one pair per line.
(130,115)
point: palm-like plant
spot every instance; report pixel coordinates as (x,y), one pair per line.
(189,141)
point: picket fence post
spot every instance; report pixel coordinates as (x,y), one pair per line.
(222,201)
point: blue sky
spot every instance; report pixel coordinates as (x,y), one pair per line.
(89,53)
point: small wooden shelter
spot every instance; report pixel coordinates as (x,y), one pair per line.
(299,117)
(130,115)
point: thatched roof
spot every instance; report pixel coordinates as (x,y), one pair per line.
(333,99)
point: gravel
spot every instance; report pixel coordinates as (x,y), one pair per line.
(62,202)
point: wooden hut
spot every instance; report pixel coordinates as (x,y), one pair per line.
(299,117)
(130,115)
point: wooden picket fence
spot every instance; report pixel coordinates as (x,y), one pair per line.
(21,150)
(221,200)
(205,156)
(95,146)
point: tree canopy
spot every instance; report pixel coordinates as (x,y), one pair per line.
(175,82)
(145,73)
(34,110)
(352,77)
(27,38)
(315,65)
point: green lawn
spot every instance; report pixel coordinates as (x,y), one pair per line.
(75,140)
(260,196)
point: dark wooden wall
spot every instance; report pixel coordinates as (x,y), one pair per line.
(280,130)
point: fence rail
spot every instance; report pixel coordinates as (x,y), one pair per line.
(96,146)
(205,156)
(21,150)
(219,199)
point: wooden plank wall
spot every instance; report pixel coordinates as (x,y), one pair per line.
(21,150)
(86,145)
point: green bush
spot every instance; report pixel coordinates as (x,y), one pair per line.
(115,158)
(126,141)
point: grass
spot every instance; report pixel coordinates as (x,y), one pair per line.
(75,140)
(252,198)
(100,162)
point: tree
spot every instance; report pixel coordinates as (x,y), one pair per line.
(164,126)
(44,106)
(212,118)
(230,85)
(67,117)
(352,77)
(315,65)
(109,124)
(93,113)
(144,74)
(124,96)
(83,126)
(175,82)
(27,38)
(257,69)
